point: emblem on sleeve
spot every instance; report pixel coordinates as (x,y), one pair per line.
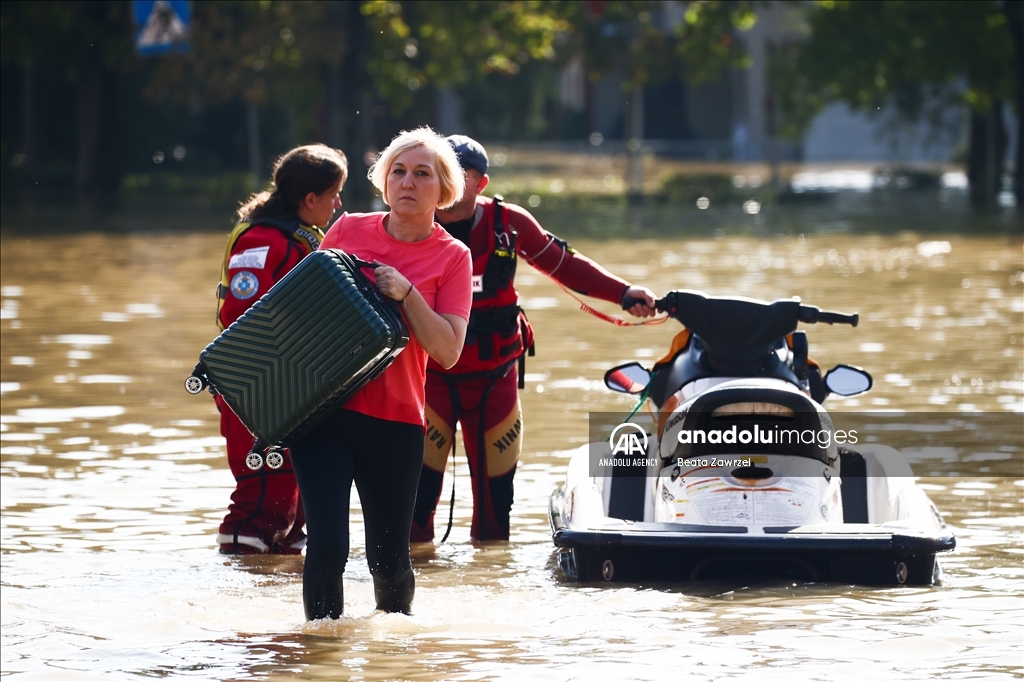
(244,285)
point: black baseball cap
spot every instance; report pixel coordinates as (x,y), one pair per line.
(470,152)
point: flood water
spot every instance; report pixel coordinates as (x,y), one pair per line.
(114,481)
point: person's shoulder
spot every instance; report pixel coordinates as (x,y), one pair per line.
(514,209)
(448,242)
(260,233)
(349,222)
(359,218)
(519,216)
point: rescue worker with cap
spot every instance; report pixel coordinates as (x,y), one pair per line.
(481,390)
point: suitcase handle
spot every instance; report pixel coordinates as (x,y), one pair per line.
(365,283)
(362,263)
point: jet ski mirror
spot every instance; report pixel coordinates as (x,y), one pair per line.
(629,378)
(846,380)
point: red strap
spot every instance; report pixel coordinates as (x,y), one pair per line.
(612,319)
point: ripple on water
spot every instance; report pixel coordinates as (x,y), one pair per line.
(105,379)
(110,568)
(49,415)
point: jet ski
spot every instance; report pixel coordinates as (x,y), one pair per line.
(740,472)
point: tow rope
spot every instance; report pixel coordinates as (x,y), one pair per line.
(611,319)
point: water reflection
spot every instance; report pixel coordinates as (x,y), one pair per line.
(113,480)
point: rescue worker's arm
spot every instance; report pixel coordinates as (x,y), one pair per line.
(555,258)
(261,257)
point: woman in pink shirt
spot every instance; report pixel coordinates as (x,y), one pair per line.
(376,439)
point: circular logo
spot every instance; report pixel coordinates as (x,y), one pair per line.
(244,285)
(629,439)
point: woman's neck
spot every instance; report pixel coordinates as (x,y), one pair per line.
(409,228)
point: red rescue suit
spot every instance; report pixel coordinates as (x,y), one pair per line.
(480,391)
(265,514)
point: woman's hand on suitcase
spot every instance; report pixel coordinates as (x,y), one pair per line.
(441,335)
(390,282)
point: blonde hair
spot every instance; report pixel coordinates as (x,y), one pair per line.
(449,172)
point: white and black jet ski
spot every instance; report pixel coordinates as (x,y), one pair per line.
(741,472)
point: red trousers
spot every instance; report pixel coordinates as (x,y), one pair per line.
(488,410)
(265,514)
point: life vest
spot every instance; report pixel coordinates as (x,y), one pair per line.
(308,238)
(498,332)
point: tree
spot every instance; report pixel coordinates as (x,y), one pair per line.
(260,53)
(639,38)
(345,60)
(914,55)
(445,44)
(347,73)
(450,43)
(86,45)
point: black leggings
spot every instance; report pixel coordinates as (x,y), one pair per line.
(384,459)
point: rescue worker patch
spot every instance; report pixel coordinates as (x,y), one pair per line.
(255,259)
(244,285)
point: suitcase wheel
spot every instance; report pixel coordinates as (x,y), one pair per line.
(275,460)
(254,461)
(194,385)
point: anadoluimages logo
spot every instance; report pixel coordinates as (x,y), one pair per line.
(629,439)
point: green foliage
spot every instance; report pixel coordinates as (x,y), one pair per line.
(869,54)
(706,38)
(260,52)
(333,71)
(446,44)
(631,36)
(415,44)
(65,35)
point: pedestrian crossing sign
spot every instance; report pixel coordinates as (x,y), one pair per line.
(163,25)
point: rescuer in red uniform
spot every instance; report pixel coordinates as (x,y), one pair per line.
(277,230)
(481,390)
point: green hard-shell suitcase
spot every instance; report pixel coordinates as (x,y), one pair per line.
(303,349)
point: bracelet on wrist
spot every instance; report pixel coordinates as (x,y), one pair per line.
(409,291)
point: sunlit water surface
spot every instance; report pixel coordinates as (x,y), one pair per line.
(114,481)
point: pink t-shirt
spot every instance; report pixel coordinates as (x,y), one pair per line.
(440,268)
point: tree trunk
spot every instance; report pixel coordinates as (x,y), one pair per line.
(335,115)
(1014,11)
(770,118)
(634,145)
(29,135)
(90,99)
(357,103)
(253,128)
(986,151)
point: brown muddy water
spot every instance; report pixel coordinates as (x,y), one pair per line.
(114,481)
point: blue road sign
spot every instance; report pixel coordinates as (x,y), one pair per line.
(163,25)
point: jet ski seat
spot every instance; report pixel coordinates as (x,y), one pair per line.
(770,417)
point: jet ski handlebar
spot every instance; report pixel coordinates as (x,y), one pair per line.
(811,314)
(684,306)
